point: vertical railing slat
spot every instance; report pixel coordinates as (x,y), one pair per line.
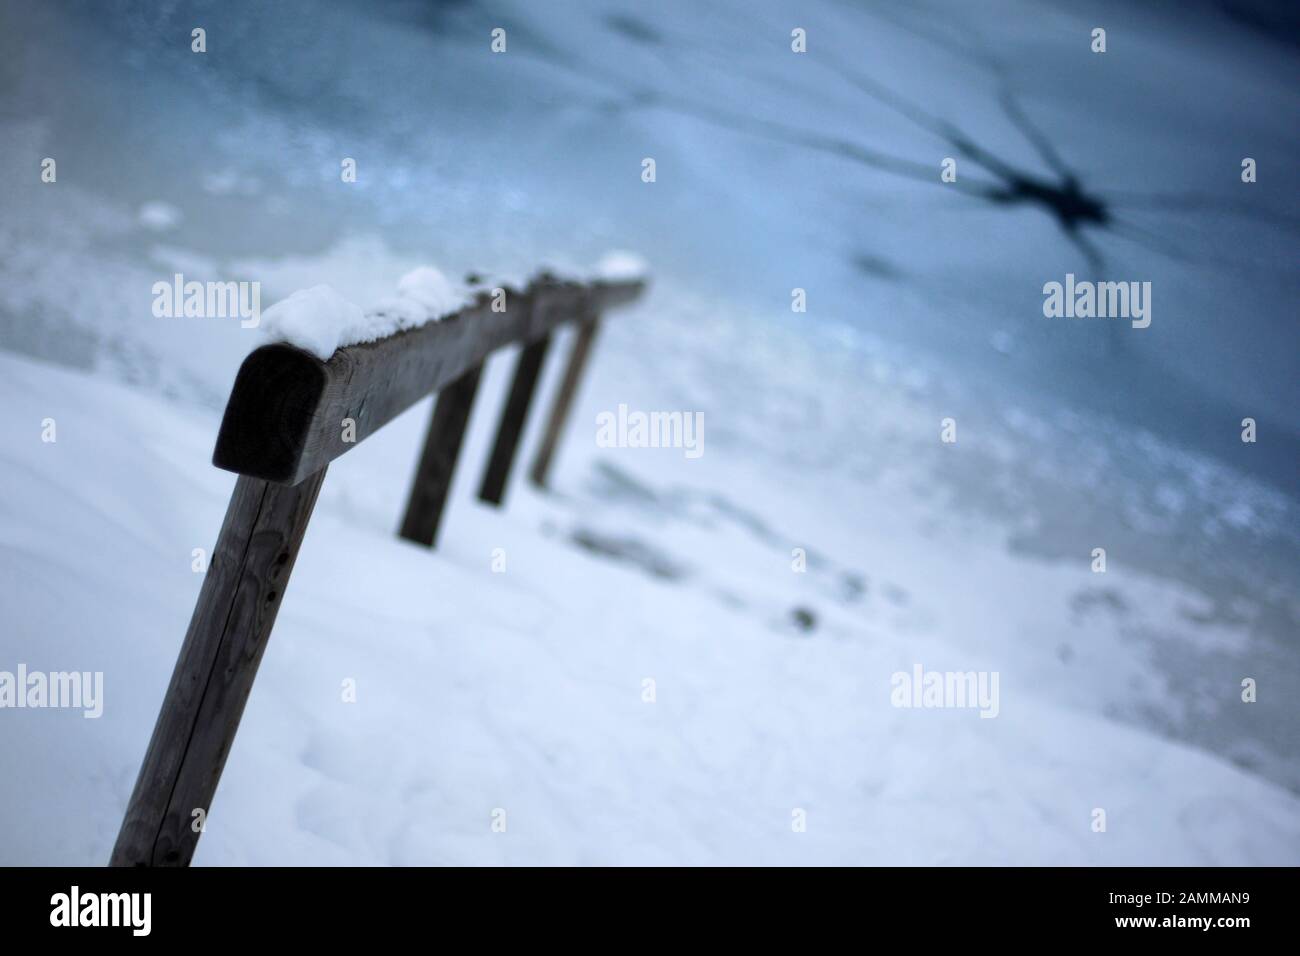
(438,459)
(563,402)
(214,673)
(513,417)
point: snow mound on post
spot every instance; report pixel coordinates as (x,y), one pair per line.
(423,295)
(433,290)
(320,321)
(620,266)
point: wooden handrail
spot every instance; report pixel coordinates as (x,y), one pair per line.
(289,415)
(284,420)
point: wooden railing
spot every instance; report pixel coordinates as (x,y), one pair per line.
(289,415)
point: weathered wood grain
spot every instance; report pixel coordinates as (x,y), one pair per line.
(214,673)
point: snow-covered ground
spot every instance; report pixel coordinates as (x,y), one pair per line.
(523,690)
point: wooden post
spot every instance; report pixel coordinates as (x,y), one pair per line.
(513,416)
(563,401)
(438,459)
(200,714)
